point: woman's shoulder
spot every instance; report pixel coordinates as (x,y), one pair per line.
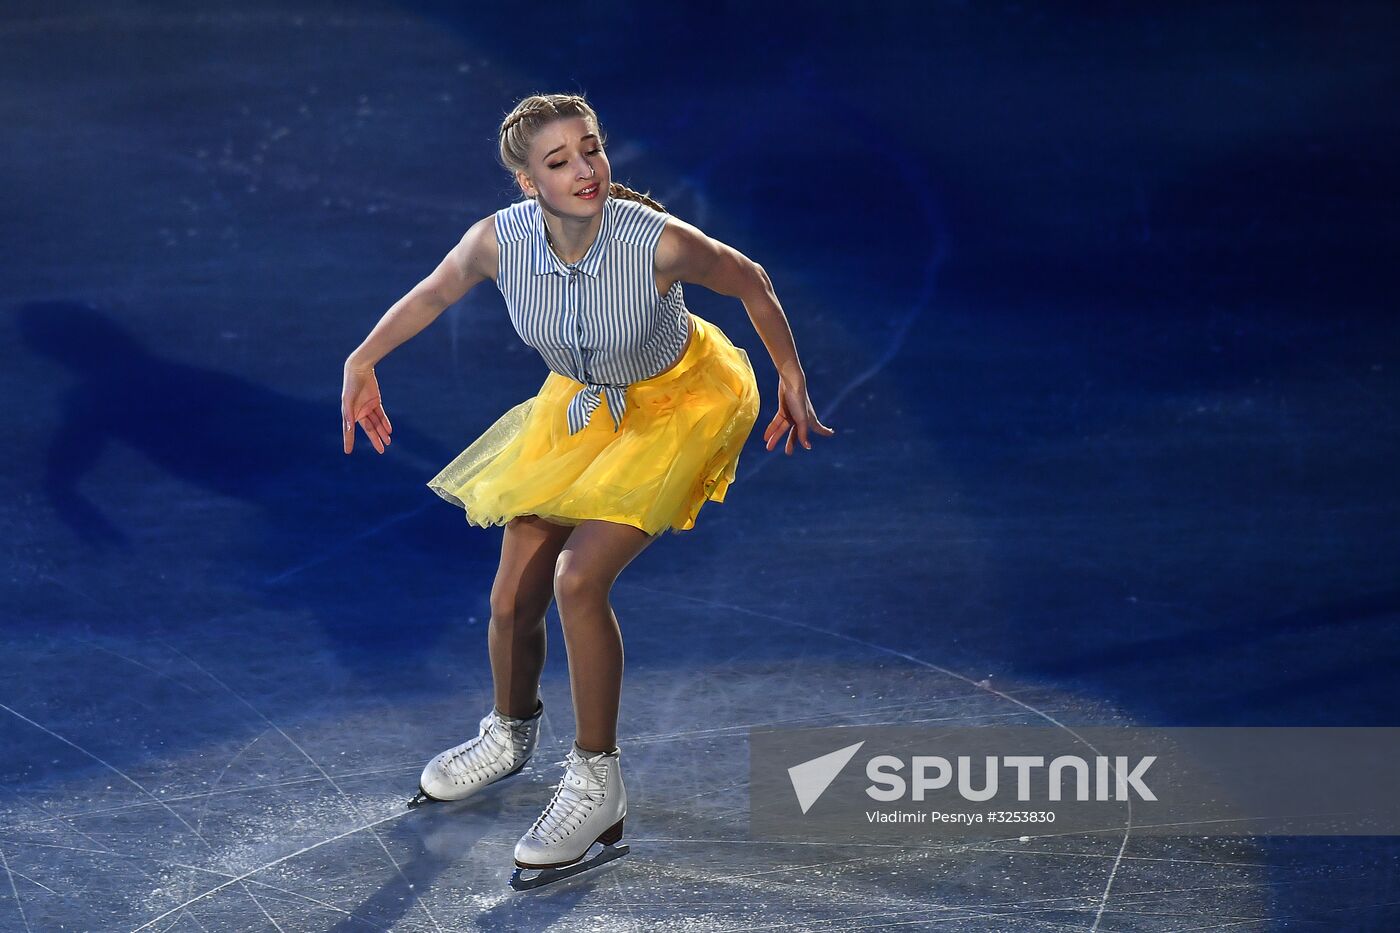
(478,251)
(635,222)
(633,207)
(515,221)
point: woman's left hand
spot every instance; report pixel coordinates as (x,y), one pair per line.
(795,416)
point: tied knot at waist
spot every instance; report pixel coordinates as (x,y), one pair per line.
(587,400)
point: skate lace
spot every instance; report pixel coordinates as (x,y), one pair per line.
(483,753)
(572,803)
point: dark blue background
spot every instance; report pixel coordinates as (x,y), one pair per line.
(1100,299)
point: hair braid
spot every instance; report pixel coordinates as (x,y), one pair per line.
(627,194)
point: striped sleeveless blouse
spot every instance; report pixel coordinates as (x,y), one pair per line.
(599,321)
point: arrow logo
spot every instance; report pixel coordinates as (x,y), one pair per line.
(810,779)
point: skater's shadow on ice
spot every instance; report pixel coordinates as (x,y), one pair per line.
(440,835)
(300,542)
(444,835)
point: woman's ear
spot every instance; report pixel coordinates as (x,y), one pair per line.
(526,185)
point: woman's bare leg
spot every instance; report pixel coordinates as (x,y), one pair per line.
(520,596)
(588,565)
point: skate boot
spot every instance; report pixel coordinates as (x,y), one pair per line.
(589,805)
(502,747)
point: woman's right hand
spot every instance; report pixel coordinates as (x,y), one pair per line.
(360,404)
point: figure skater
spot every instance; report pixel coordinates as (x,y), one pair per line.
(638,424)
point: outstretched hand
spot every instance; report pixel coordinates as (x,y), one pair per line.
(795,416)
(360,404)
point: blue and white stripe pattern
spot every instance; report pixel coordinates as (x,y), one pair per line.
(599,321)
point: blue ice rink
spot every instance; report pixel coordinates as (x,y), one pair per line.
(1101,303)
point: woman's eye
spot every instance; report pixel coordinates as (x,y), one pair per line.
(562,164)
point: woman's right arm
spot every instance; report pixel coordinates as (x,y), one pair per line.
(470,262)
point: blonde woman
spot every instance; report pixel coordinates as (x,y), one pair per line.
(639,423)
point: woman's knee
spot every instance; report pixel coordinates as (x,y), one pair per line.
(523,588)
(576,587)
(512,610)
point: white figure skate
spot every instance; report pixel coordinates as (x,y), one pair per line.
(589,805)
(502,747)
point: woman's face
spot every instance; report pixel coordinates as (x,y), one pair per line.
(566,159)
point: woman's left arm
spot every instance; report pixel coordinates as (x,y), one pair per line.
(687,254)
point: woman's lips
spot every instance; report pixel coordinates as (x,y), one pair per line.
(588,193)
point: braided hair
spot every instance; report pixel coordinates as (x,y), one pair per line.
(519,127)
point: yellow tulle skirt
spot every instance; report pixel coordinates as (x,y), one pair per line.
(677,448)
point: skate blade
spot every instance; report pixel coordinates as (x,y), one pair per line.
(522,879)
(420,798)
